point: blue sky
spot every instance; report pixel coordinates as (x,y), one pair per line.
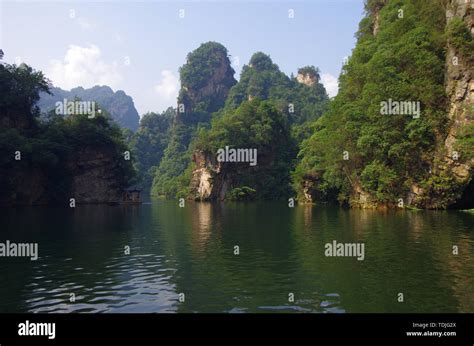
(138,46)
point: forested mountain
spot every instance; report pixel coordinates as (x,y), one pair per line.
(266,109)
(149,143)
(399,133)
(50,162)
(302,98)
(407,51)
(118,104)
(268,112)
(256,125)
(206,79)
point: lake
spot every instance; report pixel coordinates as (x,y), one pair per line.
(236,257)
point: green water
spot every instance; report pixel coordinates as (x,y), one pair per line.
(191,250)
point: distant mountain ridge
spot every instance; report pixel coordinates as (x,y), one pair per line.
(118,104)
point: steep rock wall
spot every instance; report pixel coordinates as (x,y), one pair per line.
(209,181)
(459,84)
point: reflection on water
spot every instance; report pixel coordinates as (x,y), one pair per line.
(83,266)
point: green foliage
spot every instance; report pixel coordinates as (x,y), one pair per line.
(372,5)
(239,124)
(207,67)
(309,70)
(201,63)
(205,78)
(460,38)
(465,143)
(261,78)
(405,61)
(11,141)
(149,143)
(262,62)
(243,193)
(182,182)
(257,125)
(379,179)
(176,158)
(19,89)
(49,147)
(443,186)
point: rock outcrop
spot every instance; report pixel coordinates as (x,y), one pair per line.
(91,175)
(459,82)
(50,164)
(209,181)
(95,176)
(460,91)
(206,79)
(448,180)
(308,79)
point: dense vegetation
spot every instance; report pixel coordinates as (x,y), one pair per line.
(263,79)
(206,78)
(148,144)
(256,125)
(270,112)
(346,149)
(47,148)
(265,110)
(171,177)
(386,154)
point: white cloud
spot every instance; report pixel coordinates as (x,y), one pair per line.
(330,83)
(83,66)
(168,86)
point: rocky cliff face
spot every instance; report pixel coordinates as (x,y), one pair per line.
(30,187)
(306,79)
(92,177)
(89,173)
(449,166)
(459,83)
(95,176)
(376,17)
(209,181)
(460,91)
(206,79)
(217,88)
